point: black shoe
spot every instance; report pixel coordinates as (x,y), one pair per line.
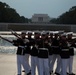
(56,73)
(23,71)
(72,74)
(29,73)
(67,73)
(51,72)
(18,74)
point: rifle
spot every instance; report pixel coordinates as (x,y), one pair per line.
(6,39)
(15,34)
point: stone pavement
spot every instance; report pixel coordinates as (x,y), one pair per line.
(8,64)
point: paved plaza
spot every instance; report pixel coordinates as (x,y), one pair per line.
(8,64)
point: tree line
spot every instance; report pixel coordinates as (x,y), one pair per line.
(68,17)
(9,15)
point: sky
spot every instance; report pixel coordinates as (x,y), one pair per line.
(54,8)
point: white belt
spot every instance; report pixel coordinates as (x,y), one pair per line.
(22,46)
(43,48)
(55,46)
(65,49)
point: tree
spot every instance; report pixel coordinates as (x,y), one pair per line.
(68,17)
(10,15)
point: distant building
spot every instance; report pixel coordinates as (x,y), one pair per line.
(39,22)
(40,18)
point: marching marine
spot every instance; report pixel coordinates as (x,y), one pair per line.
(34,53)
(21,48)
(64,53)
(71,44)
(43,55)
(56,53)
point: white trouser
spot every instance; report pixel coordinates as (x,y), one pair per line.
(34,64)
(70,64)
(27,56)
(50,61)
(43,66)
(58,64)
(64,65)
(54,57)
(21,62)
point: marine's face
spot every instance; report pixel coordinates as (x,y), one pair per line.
(63,37)
(43,36)
(29,35)
(70,36)
(56,35)
(51,35)
(23,36)
(37,35)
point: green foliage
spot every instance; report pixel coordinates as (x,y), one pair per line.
(9,15)
(67,17)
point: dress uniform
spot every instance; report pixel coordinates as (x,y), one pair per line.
(71,44)
(34,53)
(56,49)
(50,50)
(64,54)
(20,54)
(28,49)
(43,56)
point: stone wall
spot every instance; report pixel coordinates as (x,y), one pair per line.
(32,26)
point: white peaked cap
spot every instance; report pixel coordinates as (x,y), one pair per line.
(37,32)
(56,32)
(69,33)
(47,32)
(43,33)
(61,32)
(29,32)
(23,31)
(51,32)
(64,34)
